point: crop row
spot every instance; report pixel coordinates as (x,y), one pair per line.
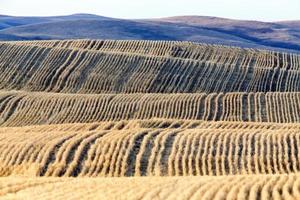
(154,124)
(22,108)
(190,50)
(35,68)
(262,187)
(149,152)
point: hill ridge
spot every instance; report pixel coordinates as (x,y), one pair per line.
(149,120)
(116,68)
(276,35)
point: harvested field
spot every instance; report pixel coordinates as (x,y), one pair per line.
(52,151)
(51,69)
(104,119)
(158,123)
(26,108)
(266,187)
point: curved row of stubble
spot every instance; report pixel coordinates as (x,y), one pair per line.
(52,69)
(169,119)
(26,108)
(156,123)
(252,187)
(56,151)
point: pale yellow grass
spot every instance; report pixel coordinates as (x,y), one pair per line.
(36,108)
(144,67)
(148,120)
(265,187)
(112,151)
(156,123)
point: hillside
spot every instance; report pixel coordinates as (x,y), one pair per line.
(15,21)
(153,151)
(109,119)
(229,187)
(21,109)
(251,34)
(280,34)
(114,67)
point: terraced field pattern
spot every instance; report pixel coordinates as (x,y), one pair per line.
(105,119)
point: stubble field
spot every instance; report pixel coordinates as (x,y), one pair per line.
(92,119)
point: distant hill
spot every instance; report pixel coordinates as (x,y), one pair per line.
(280,35)
(12,21)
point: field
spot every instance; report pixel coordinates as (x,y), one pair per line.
(145,67)
(206,187)
(104,119)
(122,150)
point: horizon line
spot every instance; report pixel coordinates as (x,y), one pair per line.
(163,17)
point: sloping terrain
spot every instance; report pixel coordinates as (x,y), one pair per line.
(119,151)
(279,34)
(253,34)
(164,67)
(228,187)
(14,21)
(23,108)
(105,119)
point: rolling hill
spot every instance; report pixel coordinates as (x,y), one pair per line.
(140,119)
(176,67)
(266,187)
(252,34)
